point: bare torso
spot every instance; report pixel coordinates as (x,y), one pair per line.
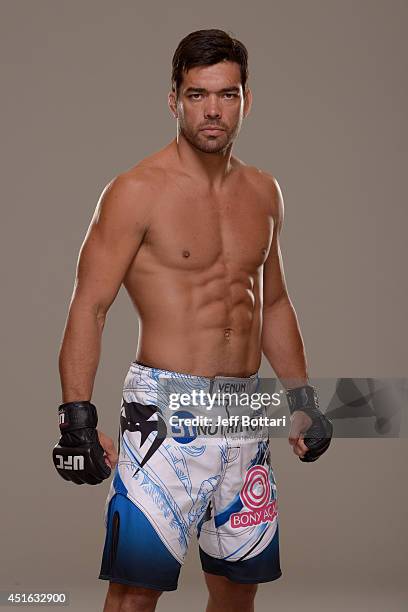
(196,280)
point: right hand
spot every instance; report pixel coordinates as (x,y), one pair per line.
(111,456)
(79,456)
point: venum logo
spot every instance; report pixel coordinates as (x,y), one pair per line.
(70,462)
(255,495)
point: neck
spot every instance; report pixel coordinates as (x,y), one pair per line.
(212,168)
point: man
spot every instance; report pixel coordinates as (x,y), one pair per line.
(193,234)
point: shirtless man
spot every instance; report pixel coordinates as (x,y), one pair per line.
(193,234)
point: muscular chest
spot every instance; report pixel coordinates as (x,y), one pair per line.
(197,232)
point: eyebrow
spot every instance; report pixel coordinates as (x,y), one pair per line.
(203,90)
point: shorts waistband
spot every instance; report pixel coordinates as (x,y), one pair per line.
(161,387)
(138,366)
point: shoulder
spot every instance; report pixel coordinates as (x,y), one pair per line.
(262,180)
(266,186)
(143,177)
(128,198)
(141,182)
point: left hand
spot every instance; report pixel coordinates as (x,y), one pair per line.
(300,423)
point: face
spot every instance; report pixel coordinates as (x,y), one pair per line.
(210,106)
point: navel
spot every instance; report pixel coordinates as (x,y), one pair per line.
(186,253)
(227,333)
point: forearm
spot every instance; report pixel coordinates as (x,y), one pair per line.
(80,352)
(282,343)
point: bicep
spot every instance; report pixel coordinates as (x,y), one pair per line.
(111,242)
(274,283)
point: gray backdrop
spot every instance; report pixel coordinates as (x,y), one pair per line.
(84,86)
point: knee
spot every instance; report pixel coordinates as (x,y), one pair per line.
(243,592)
(133,598)
(138,598)
(234,594)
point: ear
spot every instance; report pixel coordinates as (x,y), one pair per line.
(172,103)
(247,101)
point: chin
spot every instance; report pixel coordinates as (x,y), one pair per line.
(211,146)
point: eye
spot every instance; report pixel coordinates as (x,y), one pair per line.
(230,96)
(195,96)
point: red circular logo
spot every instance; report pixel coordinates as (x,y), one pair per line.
(256,490)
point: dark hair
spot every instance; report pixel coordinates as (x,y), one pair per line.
(204,48)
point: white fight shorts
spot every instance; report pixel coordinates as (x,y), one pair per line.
(171,484)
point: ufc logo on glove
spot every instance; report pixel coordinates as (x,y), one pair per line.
(71,462)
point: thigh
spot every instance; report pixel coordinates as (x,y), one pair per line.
(134,554)
(240,537)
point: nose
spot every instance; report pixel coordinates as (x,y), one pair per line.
(212,108)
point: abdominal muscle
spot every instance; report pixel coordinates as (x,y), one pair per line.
(202,323)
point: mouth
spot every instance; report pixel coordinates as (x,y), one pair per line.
(212,131)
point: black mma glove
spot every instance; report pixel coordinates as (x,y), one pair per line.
(319,434)
(78,456)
